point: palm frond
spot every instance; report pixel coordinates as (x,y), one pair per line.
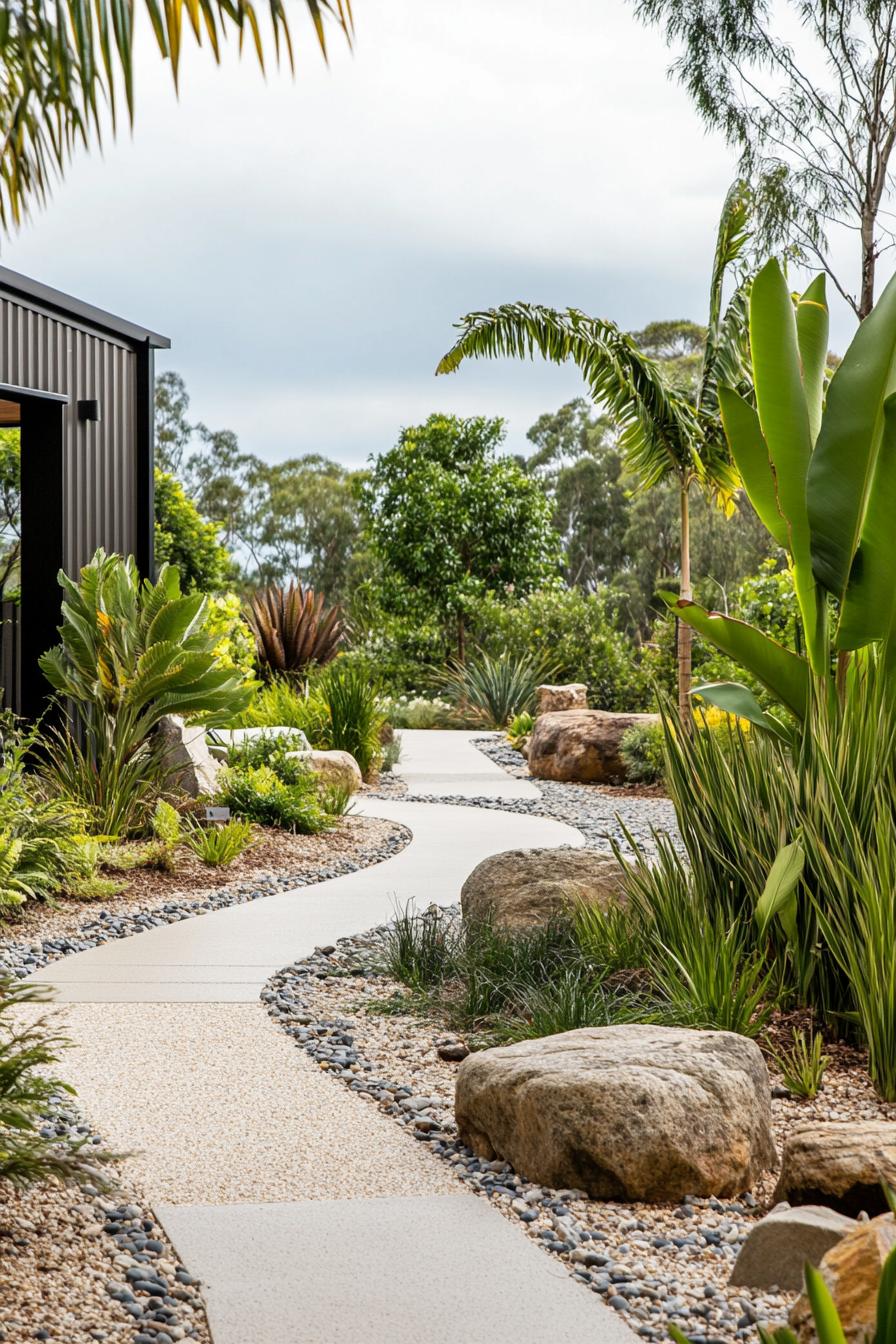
(726,357)
(64,66)
(660,429)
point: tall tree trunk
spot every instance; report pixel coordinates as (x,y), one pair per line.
(869,261)
(684,631)
(461,641)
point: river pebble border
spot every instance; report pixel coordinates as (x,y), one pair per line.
(21,958)
(146,1296)
(653,1264)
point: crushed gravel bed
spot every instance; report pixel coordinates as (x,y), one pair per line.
(652,1263)
(43,933)
(81,1265)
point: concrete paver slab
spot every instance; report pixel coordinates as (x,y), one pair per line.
(245,944)
(444,1270)
(446,763)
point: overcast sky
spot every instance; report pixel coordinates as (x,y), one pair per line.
(307,244)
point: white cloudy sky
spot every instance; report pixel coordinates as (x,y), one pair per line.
(307,244)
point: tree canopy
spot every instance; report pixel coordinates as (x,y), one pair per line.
(811,106)
(449,519)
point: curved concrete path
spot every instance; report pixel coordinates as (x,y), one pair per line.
(308,1214)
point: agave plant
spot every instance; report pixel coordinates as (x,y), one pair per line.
(496,688)
(293,629)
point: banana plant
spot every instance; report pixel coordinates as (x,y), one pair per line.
(818,462)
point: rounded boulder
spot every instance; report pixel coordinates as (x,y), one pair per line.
(336,769)
(581,745)
(625,1113)
(524,888)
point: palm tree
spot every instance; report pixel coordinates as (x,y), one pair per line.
(65,65)
(664,432)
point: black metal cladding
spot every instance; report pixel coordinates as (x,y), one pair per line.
(51,343)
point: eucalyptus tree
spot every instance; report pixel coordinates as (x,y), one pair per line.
(806,91)
(666,431)
(66,67)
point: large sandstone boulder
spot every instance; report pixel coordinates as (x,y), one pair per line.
(524,888)
(633,1112)
(186,754)
(337,769)
(556,699)
(840,1164)
(581,745)
(778,1247)
(852,1271)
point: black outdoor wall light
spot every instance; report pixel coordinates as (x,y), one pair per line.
(89,410)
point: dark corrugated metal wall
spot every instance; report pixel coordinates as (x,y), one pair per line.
(41,351)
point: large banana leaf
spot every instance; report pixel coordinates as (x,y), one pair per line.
(739,700)
(750,453)
(868,607)
(785,674)
(784,416)
(812,324)
(842,476)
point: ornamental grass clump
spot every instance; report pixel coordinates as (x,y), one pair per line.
(354,717)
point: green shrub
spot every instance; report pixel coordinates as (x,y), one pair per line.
(272,750)
(519,728)
(167,835)
(495,688)
(234,644)
(577,632)
(95,888)
(28,1050)
(219,846)
(642,749)
(255,793)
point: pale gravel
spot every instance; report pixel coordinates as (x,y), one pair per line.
(55,1263)
(217,1106)
(403,1049)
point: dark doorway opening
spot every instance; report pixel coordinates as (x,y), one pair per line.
(31,628)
